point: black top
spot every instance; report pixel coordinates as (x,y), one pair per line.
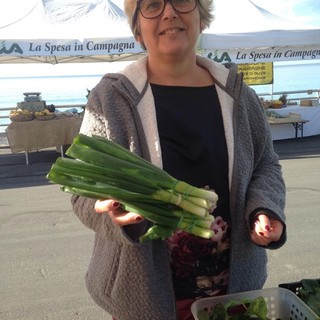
(194,150)
(192,138)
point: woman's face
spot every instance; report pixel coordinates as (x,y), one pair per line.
(172,34)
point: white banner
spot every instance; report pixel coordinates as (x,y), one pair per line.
(56,47)
(263,54)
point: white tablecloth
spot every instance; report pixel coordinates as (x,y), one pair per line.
(287,131)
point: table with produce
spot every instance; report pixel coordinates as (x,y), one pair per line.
(285,117)
(36,125)
(37,135)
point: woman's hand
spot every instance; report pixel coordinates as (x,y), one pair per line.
(266,230)
(119,216)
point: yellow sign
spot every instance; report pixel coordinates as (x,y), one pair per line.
(257,73)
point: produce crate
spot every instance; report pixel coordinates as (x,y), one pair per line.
(282,303)
(293,286)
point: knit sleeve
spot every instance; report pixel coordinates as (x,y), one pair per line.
(266,188)
(105,116)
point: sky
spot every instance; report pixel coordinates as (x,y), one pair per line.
(305,12)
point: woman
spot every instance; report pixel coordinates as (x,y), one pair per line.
(199,122)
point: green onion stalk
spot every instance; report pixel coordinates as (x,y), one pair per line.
(99,168)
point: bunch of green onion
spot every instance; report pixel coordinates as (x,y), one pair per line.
(101,169)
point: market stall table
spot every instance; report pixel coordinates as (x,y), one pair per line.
(42,134)
(286,130)
(297,124)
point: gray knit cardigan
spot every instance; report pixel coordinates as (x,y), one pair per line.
(132,281)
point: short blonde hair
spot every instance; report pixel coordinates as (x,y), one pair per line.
(205,8)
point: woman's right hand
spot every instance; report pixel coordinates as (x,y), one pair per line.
(119,216)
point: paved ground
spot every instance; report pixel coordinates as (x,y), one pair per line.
(45,250)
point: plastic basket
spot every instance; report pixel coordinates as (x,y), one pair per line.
(282,303)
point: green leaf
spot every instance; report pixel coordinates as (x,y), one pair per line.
(203,315)
(258,307)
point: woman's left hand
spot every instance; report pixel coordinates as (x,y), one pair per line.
(266,230)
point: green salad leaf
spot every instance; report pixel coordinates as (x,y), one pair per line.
(309,293)
(242,309)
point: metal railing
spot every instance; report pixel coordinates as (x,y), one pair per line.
(293,96)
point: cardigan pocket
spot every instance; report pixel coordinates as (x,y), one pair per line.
(103,268)
(112,267)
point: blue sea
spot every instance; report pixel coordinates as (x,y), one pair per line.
(65,89)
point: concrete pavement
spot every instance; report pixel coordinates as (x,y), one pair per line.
(45,250)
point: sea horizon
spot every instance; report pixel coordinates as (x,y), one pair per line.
(70,89)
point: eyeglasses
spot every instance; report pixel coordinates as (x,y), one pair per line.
(151,9)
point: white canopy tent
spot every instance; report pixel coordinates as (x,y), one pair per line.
(262,46)
(256,35)
(64,31)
